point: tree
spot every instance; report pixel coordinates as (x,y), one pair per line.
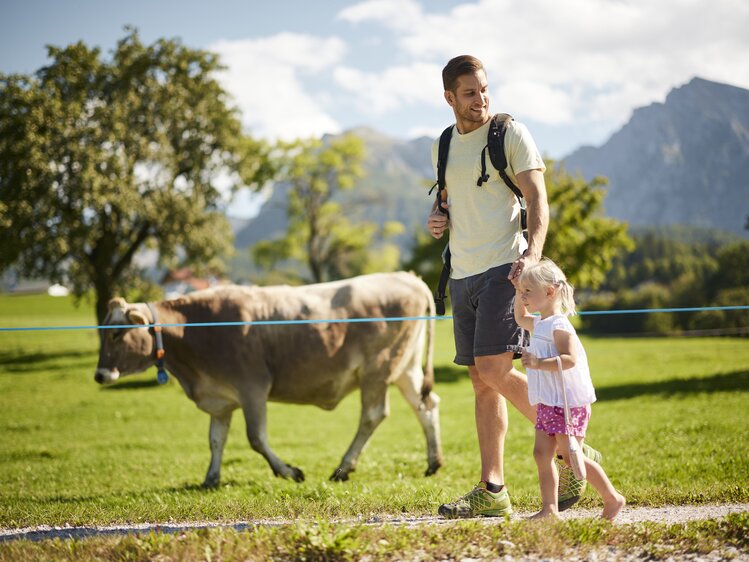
(320,235)
(665,254)
(102,158)
(581,241)
(733,267)
(668,270)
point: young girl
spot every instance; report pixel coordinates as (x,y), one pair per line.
(543,288)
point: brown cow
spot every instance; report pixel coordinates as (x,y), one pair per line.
(243,366)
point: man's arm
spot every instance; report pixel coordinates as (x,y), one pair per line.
(533,188)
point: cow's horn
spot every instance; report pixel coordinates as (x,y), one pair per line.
(117,302)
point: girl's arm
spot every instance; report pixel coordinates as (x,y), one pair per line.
(523,318)
(565,344)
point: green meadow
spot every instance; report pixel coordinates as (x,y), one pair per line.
(672,420)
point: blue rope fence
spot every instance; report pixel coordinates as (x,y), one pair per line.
(348,320)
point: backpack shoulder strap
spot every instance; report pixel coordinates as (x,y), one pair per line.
(496,143)
(442,152)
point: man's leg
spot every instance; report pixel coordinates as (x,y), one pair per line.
(491,428)
(498,373)
(495,379)
(492,377)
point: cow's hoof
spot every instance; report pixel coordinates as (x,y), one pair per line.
(340,475)
(211,482)
(296,474)
(290,473)
(433,468)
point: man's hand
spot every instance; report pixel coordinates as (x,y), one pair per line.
(437,222)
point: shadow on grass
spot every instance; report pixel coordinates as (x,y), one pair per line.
(136,384)
(17,363)
(194,487)
(250,488)
(449,373)
(26,456)
(737,381)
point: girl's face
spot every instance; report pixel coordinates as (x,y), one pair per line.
(535,299)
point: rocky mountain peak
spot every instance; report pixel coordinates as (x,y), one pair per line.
(683,161)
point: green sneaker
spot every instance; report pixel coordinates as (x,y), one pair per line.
(478,501)
(570,488)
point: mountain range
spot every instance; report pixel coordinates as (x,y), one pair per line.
(684,161)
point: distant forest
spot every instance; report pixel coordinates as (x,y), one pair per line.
(674,267)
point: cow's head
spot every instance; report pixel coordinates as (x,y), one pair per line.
(126,350)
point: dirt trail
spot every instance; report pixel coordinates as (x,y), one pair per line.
(667,514)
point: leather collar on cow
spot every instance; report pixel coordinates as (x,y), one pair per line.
(161,375)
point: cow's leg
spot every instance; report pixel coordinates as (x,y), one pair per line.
(217,439)
(427,410)
(255,414)
(374,409)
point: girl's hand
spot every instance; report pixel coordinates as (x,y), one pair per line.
(529,360)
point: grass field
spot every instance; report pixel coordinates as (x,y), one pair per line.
(672,420)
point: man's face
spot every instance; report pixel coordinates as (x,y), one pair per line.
(470,100)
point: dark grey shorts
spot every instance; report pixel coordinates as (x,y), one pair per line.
(483,316)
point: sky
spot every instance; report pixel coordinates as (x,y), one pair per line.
(573,71)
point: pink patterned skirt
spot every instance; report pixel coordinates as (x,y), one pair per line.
(550,419)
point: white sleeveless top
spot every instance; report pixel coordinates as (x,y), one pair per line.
(543,386)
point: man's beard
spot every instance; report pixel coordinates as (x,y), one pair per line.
(467,115)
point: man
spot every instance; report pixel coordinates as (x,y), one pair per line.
(488,251)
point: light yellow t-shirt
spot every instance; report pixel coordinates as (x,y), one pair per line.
(485,221)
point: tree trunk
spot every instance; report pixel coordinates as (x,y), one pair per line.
(104,294)
(313,257)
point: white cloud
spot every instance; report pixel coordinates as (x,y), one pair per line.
(559,62)
(578,64)
(398,14)
(547,104)
(419,83)
(266,78)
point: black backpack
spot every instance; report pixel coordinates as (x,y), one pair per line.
(495,142)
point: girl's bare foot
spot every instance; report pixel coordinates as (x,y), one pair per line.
(544,514)
(612,506)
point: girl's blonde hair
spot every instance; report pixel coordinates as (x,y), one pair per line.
(547,274)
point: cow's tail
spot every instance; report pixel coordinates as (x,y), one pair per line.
(428,384)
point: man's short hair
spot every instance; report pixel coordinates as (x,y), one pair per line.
(457,67)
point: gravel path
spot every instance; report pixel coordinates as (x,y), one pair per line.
(667,514)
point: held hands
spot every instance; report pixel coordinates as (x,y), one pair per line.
(519,264)
(437,222)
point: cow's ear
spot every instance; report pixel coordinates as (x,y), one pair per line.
(137,317)
(117,302)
